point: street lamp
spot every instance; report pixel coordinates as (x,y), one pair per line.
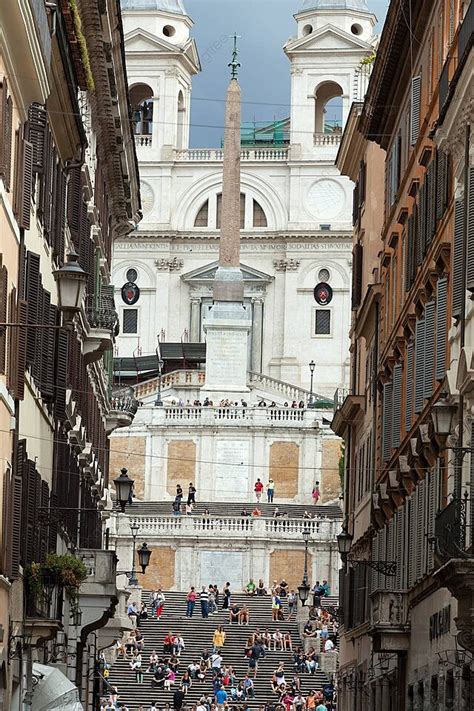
(344,543)
(134,528)
(123,486)
(144,555)
(303,589)
(312,366)
(443,413)
(158,401)
(71,281)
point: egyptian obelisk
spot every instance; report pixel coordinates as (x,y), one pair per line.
(227,324)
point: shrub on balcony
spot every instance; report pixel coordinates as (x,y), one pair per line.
(64,571)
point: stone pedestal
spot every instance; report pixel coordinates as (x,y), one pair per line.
(226,327)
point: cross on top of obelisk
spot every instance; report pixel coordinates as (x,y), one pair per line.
(234,64)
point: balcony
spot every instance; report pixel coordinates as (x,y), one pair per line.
(102,327)
(454,558)
(348,408)
(247,155)
(235,527)
(123,408)
(327,139)
(265,417)
(389,626)
(143,140)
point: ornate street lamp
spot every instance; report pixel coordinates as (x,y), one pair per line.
(71,282)
(158,401)
(344,543)
(312,366)
(144,555)
(303,589)
(134,528)
(123,487)
(443,414)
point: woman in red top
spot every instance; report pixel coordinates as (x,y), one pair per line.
(168,643)
(258,488)
(190,602)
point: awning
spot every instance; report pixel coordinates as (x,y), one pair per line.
(148,365)
(53,690)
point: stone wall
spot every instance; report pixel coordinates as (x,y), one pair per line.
(330,482)
(181,465)
(161,570)
(288,565)
(283,468)
(129,452)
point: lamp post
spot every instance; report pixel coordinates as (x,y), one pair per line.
(123,486)
(303,589)
(134,528)
(312,366)
(158,401)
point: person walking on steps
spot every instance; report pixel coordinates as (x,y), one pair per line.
(226,594)
(191,494)
(270,491)
(190,602)
(178,699)
(204,600)
(258,488)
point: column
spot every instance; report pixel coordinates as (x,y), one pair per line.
(195,327)
(257,329)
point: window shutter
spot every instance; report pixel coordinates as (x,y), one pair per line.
(470,231)
(431,202)
(428,386)
(409,386)
(397,405)
(357,262)
(419,530)
(442,177)
(35,134)
(415,109)
(29,512)
(74,203)
(45,197)
(355,205)
(441,327)
(431,515)
(18,313)
(5,550)
(17,502)
(43,527)
(399,535)
(59,216)
(32,291)
(387,421)
(47,350)
(422,221)
(412,541)
(457,268)
(6,128)
(419,364)
(418,244)
(3,317)
(23,183)
(40,334)
(62,348)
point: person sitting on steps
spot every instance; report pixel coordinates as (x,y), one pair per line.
(244,616)
(234,613)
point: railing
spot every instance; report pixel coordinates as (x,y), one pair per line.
(124,400)
(238,416)
(175,379)
(453,530)
(339,397)
(101,313)
(327,139)
(321,529)
(217,154)
(287,391)
(143,139)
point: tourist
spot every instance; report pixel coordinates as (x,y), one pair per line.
(321,707)
(298,703)
(218,639)
(277,640)
(211,603)
(311,700)
(139,676)
(325,588)
(188,508)
(139,640)
(190,602)
(159,603)
(216,597)
(205,658)
(328,645)
(191,494)
(186,682)
(221,698)
(248,687)
(178,645)
(244,616)
(256,512)
(143,614)
(120,649)
(132,612)
(226,593)
(216,661)
(158,679)
(178,699)
(168,643)
(284,588)
(204,600)
(287,642)
(316,493)
(261,589)
(270,491)
(234,613)
(311,661)
(258,488)
(292,603)
(169,679)
(250,588)
(276,605)
(177,507)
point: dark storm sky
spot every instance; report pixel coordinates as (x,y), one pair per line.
(264,26)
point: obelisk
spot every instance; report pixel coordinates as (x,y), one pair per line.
(227,325)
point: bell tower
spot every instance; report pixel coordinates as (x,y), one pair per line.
(333,36)
(161,61)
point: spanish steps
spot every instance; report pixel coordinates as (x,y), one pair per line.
(164,508)
(197,634)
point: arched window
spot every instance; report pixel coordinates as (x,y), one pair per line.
(328,108)
(180,122)
(202,218)
(219,211)
(141,99)
(259,217)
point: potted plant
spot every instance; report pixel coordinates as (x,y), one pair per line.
(64,571)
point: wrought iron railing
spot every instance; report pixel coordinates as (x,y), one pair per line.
(124,400)
(101,313)
(453,530)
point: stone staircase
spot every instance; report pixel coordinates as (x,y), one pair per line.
(197,634)
(163,508)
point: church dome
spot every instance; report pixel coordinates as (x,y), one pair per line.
(175,6)
(334,5)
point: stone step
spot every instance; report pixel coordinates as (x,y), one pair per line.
(164,508)
(197,634)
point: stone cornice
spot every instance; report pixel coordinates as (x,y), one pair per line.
(173,235)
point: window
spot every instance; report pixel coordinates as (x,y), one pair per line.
(323,275)
(130,321)
(259,217)
(202,218)
(322,326)
(132,275)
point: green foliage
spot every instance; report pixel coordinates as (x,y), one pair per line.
(368,60)
(82,45)
(65,570)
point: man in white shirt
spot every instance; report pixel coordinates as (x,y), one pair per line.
(328,645)
(216,661)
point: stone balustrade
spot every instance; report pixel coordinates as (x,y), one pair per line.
(259,528)
(143,140)
(232,416)
(327,139)
(175,379)
(246,154)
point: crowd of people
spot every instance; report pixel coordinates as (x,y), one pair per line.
(226,402)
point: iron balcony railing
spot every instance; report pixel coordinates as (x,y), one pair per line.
(101,313)
(124,400)
(454,530)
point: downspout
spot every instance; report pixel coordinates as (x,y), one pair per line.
(86,631)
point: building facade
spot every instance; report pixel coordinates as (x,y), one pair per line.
(295,206)
(407,638)
(69,187)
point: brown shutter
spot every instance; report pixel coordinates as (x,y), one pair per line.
(35,134)
(74,203)
(429,364)
(6,116)
(6,549)
(415,110)
(45,198)
(43,527)
(3,317)
(457,268)
(59,216)
(441,327)
(396,405)
(357,266)
(419,364)
(62,347)
(32,291)
(387,421)
(23,182)
(47,350)
(17,502)
(409,386)
(40,335)
(18,313)
(470,231)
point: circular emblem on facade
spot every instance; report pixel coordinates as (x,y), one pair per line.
(130,293)
(322,294)
(326,199)
(147,197)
